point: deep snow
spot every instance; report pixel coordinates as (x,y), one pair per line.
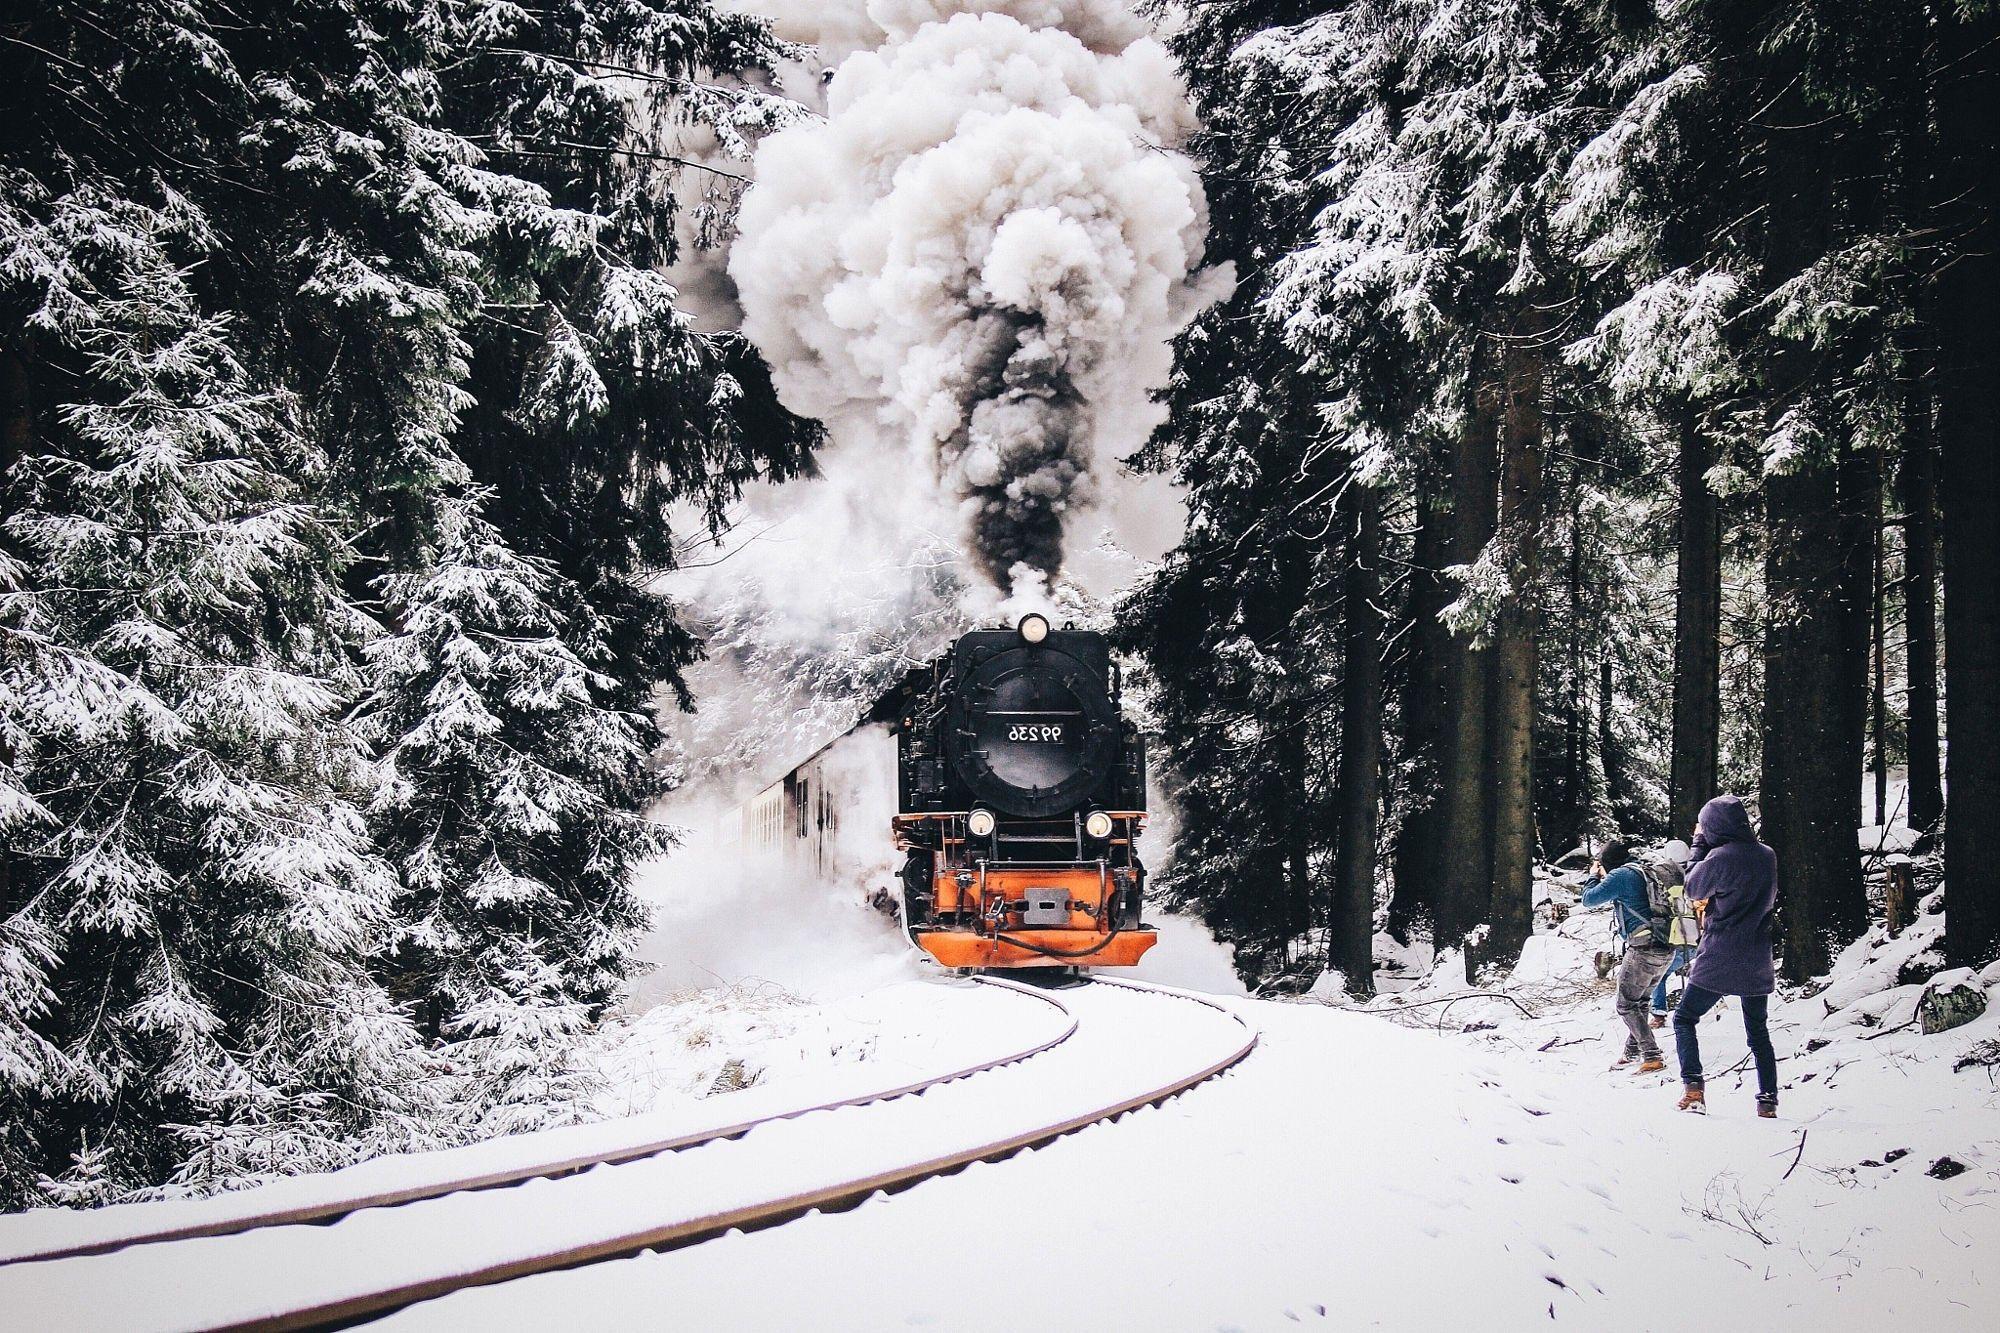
(704,1062)
(1356,1173)
(1124,1042)
(1434,1160)
(1419,1165)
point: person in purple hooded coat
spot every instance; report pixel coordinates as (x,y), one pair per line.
(1736,877)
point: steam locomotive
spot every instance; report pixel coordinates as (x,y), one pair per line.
(1021,794)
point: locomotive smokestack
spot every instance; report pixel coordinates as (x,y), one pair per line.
(985,247)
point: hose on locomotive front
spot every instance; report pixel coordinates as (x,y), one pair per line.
(1045,952)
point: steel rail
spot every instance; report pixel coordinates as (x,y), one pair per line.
(328,1211)
(758,1215)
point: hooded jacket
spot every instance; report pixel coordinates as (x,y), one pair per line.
(1738,876)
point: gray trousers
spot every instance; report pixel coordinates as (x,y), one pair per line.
(1642,968)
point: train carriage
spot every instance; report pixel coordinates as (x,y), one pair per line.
(796,819)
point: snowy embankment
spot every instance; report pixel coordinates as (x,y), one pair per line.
(1357,1171)
(1127,1046)
(1405,1165)
(1439,1152)
(668,1073)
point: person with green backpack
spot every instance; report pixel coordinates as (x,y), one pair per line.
(1639,896)
(1683,931)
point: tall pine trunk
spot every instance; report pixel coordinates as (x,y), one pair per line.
(1575,804)
(1878,690)
(1353,915)
(1814,718)
(1968,428)
(1511,734)
(1417,864)
(1466,850)
(1814,681)
(1919,486)
(16,435)
(1617,782)
(1695,768)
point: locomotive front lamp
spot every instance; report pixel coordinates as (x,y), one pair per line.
(1033,628)
(979,823)
(1097,824)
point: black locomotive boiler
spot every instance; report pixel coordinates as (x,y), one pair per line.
(1021,795)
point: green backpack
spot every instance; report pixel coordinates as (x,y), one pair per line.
(1670,918)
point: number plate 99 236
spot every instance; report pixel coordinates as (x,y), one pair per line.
(1047,733)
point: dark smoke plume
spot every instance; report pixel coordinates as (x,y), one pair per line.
(981,255)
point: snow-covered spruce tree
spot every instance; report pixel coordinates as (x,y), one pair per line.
(1430,299)
(593,408)
(172,183)
(1219,625)
(192,900)
(32,1067)
(599,409)
(1645,203)
(508,805)
(370,257)
(1757,189)
(353,226)
(1260,631)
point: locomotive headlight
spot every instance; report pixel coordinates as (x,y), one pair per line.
(1097,824)
(980,823)
(1033,628)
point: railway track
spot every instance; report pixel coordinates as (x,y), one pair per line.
(319,1200)
(1124,1045)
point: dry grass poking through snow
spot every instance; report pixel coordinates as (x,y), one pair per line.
(702,1043)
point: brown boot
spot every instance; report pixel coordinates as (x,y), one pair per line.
(1652,1064)
(1659,1021)
(1694,1098)
(1767,1110)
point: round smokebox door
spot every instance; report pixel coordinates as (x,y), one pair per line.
(1042,733)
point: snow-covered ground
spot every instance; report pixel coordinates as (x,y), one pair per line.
(1126,1042)
(688,1069)
(1420,1165)
(1428,1161)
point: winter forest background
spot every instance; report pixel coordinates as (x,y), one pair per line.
(1579,408)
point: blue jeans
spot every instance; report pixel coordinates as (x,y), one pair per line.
(1696,1001)
(1683,955)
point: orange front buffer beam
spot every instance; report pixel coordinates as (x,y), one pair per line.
(964,948)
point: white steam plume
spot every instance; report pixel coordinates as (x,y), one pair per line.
(981,253)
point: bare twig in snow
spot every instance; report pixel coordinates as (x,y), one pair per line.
(1795,1160)
(1726,1206)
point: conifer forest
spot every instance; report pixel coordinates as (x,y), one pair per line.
(1579,408)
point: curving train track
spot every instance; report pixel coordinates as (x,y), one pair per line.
(336,1261)
(323,1199)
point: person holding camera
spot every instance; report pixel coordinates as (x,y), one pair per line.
(1618,882)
